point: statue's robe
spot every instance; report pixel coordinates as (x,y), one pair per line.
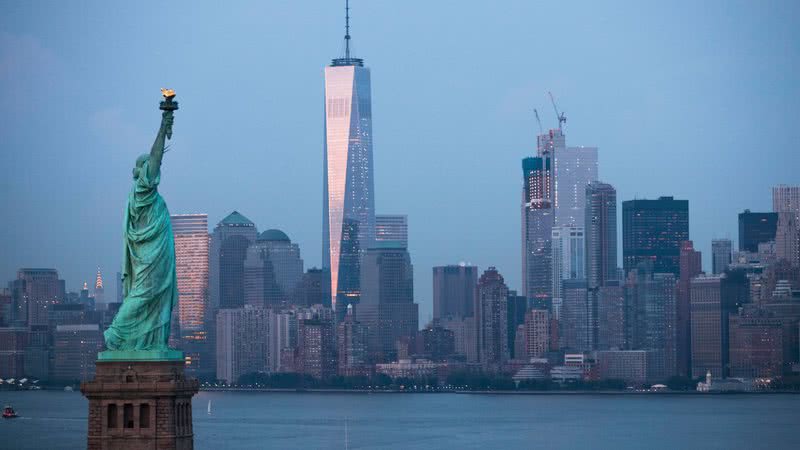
(148,273)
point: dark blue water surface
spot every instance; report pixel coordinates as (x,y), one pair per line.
(242,420)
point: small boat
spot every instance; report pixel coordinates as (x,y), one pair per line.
(9,413)
(209,407)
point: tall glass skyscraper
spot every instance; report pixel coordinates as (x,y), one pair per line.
(348,186)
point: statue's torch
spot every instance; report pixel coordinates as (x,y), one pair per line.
(168,105)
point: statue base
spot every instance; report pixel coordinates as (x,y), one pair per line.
(140,404)
(140,355)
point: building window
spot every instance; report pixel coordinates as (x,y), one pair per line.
(144,415)
(112,416)
(127,415)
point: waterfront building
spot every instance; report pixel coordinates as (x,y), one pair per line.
(34,292)
(516,307)
(492,318)
(392,227)
(690,266)
(316,348)
(756,228)
(465,336)
(538,218)
(387,307)
(351,341)
(706,335)
(13,343)
(653,230)
(192,244)
(75,349)
(535,334)
(454,291)
(348,184)
(721,252)
(435,342)
(627,365)
(756,345)
(282,340)
(242,342)
(229,242)
(414,369)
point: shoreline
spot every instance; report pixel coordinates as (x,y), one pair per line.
(486,392)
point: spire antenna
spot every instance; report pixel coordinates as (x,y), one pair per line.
(347,29)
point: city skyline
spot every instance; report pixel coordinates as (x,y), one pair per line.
(109,132)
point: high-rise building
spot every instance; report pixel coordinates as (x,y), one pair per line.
(192,243)
(786,199)
(351,341)
(272,270)
(756,228)
(392,227)
(652,317)
(721,253)
(454,291)
(99,292)
(282,339)
(348,184)
(538,218)
(229,242)
(756,346)
(574,169)
(387,307)
(314,288)
(600,227)
(516,307)
(706,313)
(576,330)
(610,303)
(75,349)
(242,342)
(34,292)
(653,230)
(787,238)
(690,267)
(536,334)
(316,348)
(569,260)
(492,318)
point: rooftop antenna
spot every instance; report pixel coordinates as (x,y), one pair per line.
(539,121)
(561,117)
(347,29)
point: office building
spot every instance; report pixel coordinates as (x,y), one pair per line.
(34,292)
(690,267)
(348,184)
(392,227)
(756,228)
(314,288)
(706,323)
(99,292)
(653,230)
(351,341)
(627,365)
(721,253)
(516,307)
(574,169)
(600,227)
(535,335)
(576,323)
(192,243)
(610,304)
(492,318)
(13,343)
(242,339)
(569,259)
(538,218)
(454,291)
(316,348)
(229,242)
(387,307)
(272,270)
(75,349)
(756,346)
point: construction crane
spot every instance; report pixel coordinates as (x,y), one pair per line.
(561,117)
(541,130)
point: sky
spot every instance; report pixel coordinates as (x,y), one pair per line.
(698,100)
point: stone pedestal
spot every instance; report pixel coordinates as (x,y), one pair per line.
(140,405)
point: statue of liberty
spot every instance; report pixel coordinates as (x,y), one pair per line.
(141,328)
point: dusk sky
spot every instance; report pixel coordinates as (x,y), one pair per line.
(698,100)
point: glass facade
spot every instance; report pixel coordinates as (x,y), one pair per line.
(348,186)
(653,230)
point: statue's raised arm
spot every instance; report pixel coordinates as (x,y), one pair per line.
(164,132)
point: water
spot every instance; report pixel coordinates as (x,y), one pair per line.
(240,420)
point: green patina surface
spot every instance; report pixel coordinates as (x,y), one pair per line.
(141,355)
(140,330)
